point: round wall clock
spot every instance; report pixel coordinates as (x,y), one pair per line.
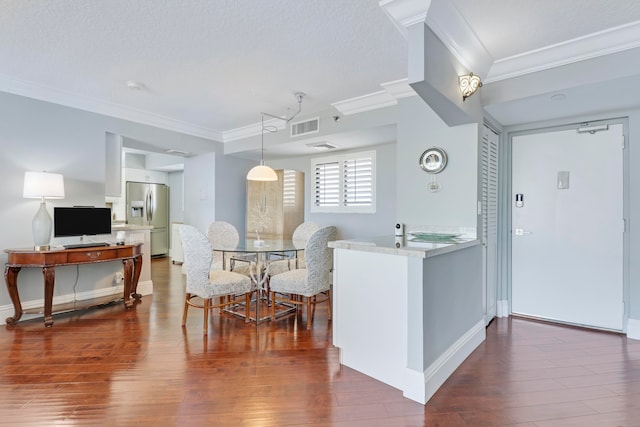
(433,160)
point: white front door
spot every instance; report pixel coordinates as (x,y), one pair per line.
(567,226)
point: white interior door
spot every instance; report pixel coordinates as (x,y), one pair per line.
(567,234)
(490,222)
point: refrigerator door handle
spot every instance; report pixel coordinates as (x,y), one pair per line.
(147,206)
(151,206)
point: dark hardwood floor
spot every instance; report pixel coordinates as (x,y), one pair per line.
(108,366)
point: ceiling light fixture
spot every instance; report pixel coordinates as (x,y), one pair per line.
(322,146)
(174,151)
(134,85)
(469,84)
(262,172)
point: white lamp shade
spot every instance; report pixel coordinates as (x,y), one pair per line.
(43,185)
(262,173)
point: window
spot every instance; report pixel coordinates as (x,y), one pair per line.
(345,183)
(289,187)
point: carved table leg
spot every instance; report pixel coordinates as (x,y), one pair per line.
(137,268)
(49,274)
(128,279)
(11,279)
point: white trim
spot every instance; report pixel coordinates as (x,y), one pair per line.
(502,308)
(633,329)
(455,33)
(399,88)
(602,43)
(364,103)
(144,288)
(74,100)
(447,23)
(393,91)
(404,13)
(420,387)
(251,130)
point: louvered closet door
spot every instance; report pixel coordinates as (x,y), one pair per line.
(490,221)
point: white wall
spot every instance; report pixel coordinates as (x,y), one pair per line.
(231,200)
(199,196)
(455,204)
(176,201)
(402,194)
(36,135)
(354,225)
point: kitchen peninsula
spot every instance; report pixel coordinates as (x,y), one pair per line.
(406,313)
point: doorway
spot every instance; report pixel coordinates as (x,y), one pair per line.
(568,226)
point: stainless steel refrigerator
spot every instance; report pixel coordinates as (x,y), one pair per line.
(148,204)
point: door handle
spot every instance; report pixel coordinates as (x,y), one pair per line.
(151,207)
(148,207)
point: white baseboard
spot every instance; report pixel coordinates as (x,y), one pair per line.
(422,386)
(502,308)
(633,329)
(144,288)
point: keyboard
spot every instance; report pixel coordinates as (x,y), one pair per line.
(86,245)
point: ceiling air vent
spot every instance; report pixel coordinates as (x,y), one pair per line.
(306,127)
(322,146)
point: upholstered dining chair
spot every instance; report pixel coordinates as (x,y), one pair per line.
(224,235)
(310,282)
(205,283)
(300,237)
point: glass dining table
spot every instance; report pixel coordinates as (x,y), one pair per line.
(259,253)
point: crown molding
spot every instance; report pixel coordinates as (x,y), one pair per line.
(399,88)
(447,23)
(404,13)
(364,103)
(73,100)
(454,32)
(384,98)
(392,91)
(602,43)
(251,130)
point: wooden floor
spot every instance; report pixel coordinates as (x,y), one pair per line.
(113,367)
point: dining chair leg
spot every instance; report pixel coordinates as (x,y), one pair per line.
(207,307)
(273,306)
(309,315)
(247,304)
(329,303)
(314,302)
(186,308)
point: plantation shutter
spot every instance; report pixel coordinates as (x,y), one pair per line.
(358,183)
(327,184)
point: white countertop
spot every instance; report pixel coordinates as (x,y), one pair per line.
(392,245)
(122,226)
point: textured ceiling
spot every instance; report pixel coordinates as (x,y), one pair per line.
(214,65)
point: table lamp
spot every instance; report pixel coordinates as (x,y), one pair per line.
(42,185)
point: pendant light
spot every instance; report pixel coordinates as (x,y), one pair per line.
(263,172)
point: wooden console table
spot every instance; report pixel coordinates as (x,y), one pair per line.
(131,256)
